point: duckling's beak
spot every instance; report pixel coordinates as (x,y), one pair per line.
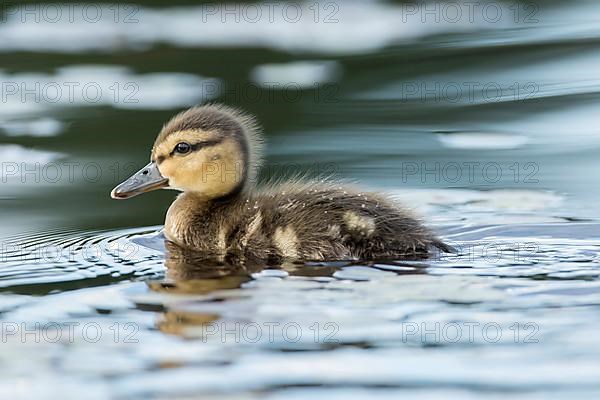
(145,180)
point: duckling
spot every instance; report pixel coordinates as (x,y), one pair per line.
(212,154)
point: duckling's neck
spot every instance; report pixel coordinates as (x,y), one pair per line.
(191,212)
(179,213)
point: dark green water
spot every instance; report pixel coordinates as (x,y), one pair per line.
(486,124)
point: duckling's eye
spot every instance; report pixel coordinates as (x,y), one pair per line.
(183,148)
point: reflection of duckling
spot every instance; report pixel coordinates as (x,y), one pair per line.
(212,154)
(185,323)
(198,272)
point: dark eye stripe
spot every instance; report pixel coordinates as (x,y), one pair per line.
(200,145)
(208,143)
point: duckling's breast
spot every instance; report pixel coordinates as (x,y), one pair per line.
(186,224)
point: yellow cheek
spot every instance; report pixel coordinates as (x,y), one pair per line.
(165,168)
(193,172)
(212,171)
(168,169)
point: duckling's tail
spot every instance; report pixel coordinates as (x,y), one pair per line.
(446,248)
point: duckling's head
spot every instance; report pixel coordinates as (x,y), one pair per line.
(212,151)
